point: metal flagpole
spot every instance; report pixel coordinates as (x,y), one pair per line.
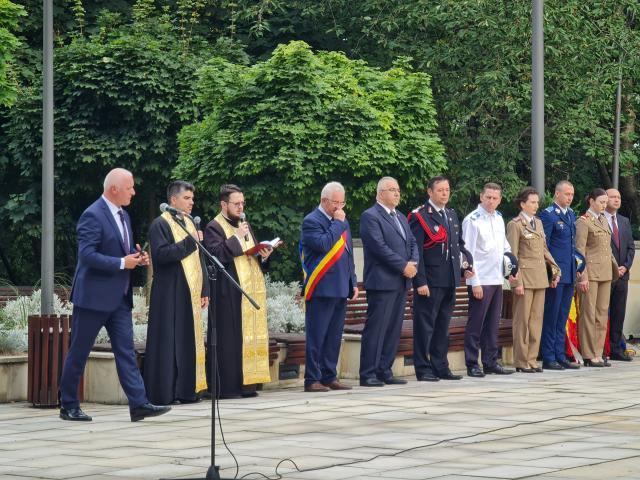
(537,97)
(47,260)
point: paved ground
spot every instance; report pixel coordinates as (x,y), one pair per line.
(554,425)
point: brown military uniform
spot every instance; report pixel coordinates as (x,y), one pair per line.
(529,246)
(593,240)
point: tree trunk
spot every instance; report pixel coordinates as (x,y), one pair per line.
(7,266)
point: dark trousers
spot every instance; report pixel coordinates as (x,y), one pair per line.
(86,325)
(324,321)
(482,327)
(431,318)
(617,307)
(381,334)
(557,303)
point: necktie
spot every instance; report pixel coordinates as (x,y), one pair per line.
(533,223)
(444,218)
(394,215)
(125,235)
(616,232)
(127,247)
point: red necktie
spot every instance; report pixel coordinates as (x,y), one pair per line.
(616,233)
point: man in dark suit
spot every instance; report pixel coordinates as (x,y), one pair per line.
(329,279)
(623,250)
(390,261)
(437,232)
(102,296)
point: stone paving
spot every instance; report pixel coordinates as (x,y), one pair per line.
(554,425)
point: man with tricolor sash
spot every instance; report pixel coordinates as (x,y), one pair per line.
(175,355)
(326,253)
(241,330)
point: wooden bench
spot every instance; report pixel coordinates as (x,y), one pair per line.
(356,317)
(295,346)
(11,293)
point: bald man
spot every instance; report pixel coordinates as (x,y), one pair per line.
(102,296)
(623,250)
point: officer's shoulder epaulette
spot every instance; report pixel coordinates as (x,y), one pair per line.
(474,215)
(417,209)
(499,213)
(584,217)
(549,209)
(569,209)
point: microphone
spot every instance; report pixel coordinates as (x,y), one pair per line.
(243,218)
(165,207)
(196,221)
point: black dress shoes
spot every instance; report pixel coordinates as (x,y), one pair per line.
(395,381)
(74,414)
(475,372)
(590,363)
(537,369)
(497,369)
(552,366)
(427,377)
(620,357)
(371,382)
(147,410)
(448,375)
(568,365)
(525,370)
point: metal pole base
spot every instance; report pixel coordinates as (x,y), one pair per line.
(212,474)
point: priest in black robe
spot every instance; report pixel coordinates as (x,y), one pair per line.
(174,368)
(242,337)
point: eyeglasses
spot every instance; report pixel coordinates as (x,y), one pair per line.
(237,204)
(392,190)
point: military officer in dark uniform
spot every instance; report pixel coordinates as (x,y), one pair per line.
(437,232)
(559,224)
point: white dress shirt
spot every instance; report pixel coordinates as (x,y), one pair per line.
(114,209)
(484,236)
(610,217)
(329,217)
(387,209)
(438,209)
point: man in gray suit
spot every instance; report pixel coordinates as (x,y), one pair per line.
(623,250)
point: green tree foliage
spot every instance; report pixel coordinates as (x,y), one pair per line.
(121,95)
(479,56)
(9,16)
(284,127)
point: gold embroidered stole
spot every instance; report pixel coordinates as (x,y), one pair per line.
(255,336)
(193,274)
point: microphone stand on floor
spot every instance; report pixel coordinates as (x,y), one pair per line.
(216,267)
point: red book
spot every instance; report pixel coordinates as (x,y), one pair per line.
(275,243)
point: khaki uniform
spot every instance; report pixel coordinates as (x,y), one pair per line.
(529,246)
(593,240)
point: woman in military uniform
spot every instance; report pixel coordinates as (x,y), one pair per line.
(593,241)
(526,237)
